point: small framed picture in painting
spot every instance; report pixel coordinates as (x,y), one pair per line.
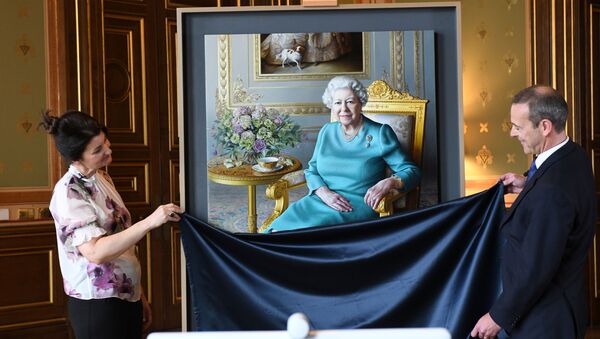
(310,55)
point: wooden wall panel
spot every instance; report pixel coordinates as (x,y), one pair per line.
(175,250)
(556,28)
(171,31)
(592,84)
(34,301)
(132,182)
(28,274)
(125,80)
(174,4)
(174,181)
(565,40)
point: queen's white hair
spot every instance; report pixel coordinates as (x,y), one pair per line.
(343,81)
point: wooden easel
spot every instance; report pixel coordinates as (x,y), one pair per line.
(320,3)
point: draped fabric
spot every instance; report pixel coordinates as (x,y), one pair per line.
(434,267)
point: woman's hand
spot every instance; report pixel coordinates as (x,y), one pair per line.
(102,249)
(333,199)
(378,191)
(163,214)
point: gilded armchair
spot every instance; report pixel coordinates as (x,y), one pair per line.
(405,114)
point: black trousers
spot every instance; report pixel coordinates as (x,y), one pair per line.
(110,318)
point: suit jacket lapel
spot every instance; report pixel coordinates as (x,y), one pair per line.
(556,156)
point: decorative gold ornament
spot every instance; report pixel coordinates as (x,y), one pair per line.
(510,3)
(485,97)
(24,46)
(241,94)
(482,31)
(483,65)
(484,157)
(511,61)
(27,166)
(483,127)
(24,12)
(26,125)
(510,158)
(381,90)
(506,126)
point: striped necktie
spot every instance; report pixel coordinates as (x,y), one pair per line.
(532,170)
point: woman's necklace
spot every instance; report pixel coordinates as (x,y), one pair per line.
(350,136)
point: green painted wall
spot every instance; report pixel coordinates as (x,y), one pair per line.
(23,148)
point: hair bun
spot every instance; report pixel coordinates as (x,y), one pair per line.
(49,122)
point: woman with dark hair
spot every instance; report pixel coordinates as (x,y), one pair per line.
(96,238)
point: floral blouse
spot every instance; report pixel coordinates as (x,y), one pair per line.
(86,208)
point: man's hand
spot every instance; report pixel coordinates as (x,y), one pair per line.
(513,183)
(485,328)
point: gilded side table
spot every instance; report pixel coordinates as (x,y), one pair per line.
(245,176)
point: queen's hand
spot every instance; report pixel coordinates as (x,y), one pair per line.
(378,191)
(333,199)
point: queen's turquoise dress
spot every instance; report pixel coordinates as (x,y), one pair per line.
(349,168)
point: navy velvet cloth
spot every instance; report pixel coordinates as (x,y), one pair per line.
(434,267)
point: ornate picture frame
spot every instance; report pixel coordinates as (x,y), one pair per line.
(315,56)
(195,87)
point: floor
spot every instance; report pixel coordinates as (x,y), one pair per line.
(228,205)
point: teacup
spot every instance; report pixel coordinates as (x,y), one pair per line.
(268,162)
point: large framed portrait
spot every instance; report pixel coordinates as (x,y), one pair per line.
(215,42)
(405,59)
(221,68)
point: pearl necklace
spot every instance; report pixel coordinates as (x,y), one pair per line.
(350,136)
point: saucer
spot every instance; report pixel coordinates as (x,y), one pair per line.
(261,169)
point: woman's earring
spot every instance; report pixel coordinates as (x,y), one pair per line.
(369,139)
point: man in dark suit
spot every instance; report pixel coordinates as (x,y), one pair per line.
(548,229)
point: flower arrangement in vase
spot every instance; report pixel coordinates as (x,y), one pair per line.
(251,132)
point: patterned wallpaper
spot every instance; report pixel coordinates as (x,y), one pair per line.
(24,150)
(494,68)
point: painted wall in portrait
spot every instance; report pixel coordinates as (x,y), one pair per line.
(238,73)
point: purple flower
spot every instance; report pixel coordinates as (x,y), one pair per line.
(259,145)
(69,290)
(121,218)
(278,121)
(79,189)
(242,110)
(259,112)
(238,129)
(126,285)
(101,275)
